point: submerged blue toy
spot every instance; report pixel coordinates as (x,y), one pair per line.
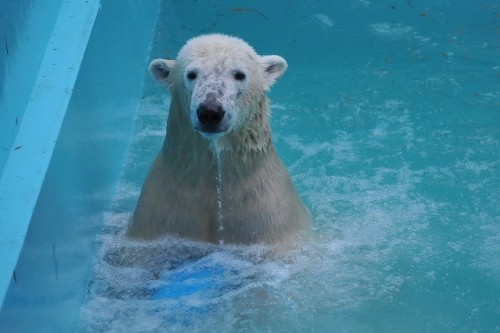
(191,279)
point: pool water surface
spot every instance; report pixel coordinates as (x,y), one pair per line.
(388,121)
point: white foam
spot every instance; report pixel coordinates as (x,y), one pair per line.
(127,190)
(364,3)
(386,29)
(339,267)
(325,20)
(278,106)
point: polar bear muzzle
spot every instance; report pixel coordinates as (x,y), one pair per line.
(210,116)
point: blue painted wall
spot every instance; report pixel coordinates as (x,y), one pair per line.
(25,29)
(55,264)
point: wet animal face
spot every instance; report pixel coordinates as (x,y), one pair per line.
(223,78)
(217,91)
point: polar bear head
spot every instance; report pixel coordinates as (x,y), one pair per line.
(220,81)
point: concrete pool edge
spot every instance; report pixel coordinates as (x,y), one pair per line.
(31,153)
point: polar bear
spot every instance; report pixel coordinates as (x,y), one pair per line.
(217,177)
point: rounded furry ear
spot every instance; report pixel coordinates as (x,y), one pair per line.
(274,66)
(160,70)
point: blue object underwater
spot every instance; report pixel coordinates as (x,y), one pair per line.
(191,279)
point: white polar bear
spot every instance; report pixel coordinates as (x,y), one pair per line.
(218,177)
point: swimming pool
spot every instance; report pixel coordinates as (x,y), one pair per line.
(388,120)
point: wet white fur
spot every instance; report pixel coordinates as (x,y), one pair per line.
(259,201)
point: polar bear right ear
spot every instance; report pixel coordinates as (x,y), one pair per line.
(160,70)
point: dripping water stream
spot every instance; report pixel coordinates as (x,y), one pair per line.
(218,185)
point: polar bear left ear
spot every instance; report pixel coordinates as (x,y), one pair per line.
(160,70)
(274,66)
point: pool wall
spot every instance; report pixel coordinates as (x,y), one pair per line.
(63,143)
(25,27)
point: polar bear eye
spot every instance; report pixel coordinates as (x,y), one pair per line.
(191,75)
(239,76)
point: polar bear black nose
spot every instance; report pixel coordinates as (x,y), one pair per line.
(210,114)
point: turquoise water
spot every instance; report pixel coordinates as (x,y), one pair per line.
(388,120)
